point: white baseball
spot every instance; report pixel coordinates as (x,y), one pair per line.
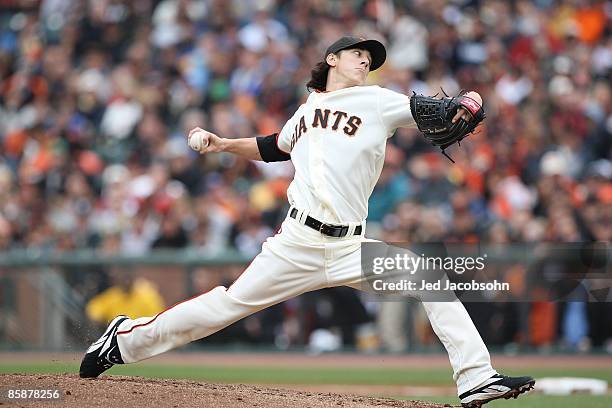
(198,140)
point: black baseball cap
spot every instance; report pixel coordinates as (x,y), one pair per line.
(376,49)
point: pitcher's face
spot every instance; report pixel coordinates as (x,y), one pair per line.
(353,65)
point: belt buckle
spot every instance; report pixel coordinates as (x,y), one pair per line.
(327,230)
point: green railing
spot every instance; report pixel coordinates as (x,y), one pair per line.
(524,252)
(187,257)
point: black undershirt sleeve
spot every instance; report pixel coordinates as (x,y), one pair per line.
(269,150)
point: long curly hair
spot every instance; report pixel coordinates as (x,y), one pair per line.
(318,77)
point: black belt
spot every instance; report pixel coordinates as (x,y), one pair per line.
(337,231)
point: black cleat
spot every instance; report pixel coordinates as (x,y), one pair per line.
(496,387)
(103,353)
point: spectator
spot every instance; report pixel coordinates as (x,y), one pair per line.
(129,295)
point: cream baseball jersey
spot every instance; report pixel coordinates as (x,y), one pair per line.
(337,144)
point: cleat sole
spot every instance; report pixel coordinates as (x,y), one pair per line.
(510,394)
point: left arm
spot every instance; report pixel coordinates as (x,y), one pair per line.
(433,118)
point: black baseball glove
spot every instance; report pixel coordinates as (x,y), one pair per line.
(434,117)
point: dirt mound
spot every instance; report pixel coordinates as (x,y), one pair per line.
(138,392)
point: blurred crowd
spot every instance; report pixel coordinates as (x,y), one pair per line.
(96,98)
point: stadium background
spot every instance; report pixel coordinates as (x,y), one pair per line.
(98,188)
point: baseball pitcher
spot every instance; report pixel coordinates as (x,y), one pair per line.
(336,141)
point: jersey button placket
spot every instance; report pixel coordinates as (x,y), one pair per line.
(317,163)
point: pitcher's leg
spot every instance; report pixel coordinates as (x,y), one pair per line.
(467,352)
(190,320)
(274,275)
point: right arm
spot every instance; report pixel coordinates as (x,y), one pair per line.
(251,148)
(246,147)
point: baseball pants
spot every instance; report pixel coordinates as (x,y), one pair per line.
(296,260)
